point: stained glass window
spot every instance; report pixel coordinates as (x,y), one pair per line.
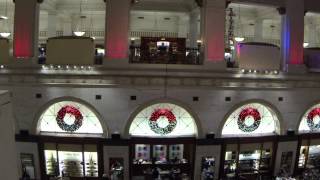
(311,120)
(163,120)
(89,124)
(252,119)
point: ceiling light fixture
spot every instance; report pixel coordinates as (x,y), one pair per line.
(79,32)
(5,31)
(4,17)
(239,39)
(5,34)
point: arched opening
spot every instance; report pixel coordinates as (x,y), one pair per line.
(252,119)
(256,121)
(310,122)
(163,120)
(163,134)
(69,118)
(71,156)
(309,143)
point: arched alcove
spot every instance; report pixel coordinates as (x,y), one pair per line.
(163,119)
(251,119)
(63,117)
(310,121)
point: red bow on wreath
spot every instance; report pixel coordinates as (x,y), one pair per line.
(313,113)
(242,117)
(73,111)
(156,115)
(249,112)
(162,112)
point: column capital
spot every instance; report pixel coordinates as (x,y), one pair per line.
(281,10)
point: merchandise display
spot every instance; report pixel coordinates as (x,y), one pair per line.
(207,168)
(69,161)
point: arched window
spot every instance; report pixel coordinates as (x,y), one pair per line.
(68,117)
(252,119)
(163,120)
(311,120)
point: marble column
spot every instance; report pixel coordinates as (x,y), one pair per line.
(213,16)
(117,29)
(292,35)
(8,150)
(26,29)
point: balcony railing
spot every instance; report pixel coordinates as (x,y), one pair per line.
(156,56)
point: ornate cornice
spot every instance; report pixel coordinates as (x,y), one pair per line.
(39,1)
(129,78)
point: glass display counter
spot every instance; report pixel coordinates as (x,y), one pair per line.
(171,160)
(248,161)
(207,168)
(309,157)
(66,160)
(230,163)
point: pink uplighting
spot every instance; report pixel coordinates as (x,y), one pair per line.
(117,50)
(24,29)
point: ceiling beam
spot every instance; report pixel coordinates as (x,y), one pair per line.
(275,3)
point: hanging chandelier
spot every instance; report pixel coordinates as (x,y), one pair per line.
(5,32)
(79,32)
(240,37)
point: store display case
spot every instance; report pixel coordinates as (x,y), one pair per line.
(230,163)
(265,161)
(27,163)
(176,153)
(313,161)
(309,156)
(253,160)
(160,154)
(70,160)
(116,168)
(51,160)
(91,160)
(249,161)
(142,154)
(207,168)
(169,158)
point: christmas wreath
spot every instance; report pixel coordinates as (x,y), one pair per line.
(72,111)
(310,119)
(242,118)
(156,115)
